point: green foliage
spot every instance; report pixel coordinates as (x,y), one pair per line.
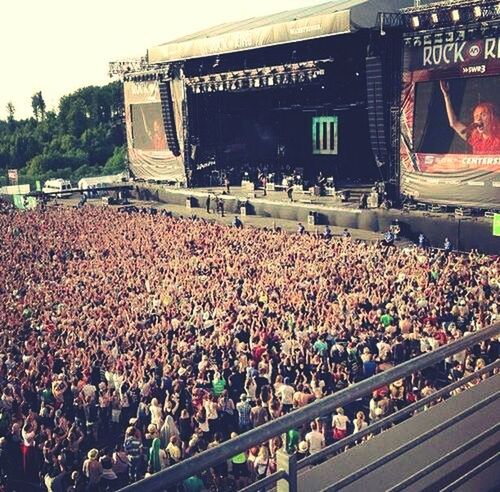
(116,163)
(85,137)
(11,111)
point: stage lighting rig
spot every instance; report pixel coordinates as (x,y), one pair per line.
(449,13)
(455,15)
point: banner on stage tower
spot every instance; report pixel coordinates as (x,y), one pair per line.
(149,154)
(450,121)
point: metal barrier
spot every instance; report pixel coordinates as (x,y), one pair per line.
(410,445)
(286,477)
(390,419)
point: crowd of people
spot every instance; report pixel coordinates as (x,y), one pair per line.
(130,341)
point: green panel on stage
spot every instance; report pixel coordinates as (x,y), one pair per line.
(496,225)
(325,135)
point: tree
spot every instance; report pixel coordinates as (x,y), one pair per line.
(116,163)
(73,114)
(35,105)
(41,105)
(79,139)
(11,111)
(38,105)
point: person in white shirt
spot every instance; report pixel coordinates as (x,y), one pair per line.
(285,394)
(339,424)
(315,439)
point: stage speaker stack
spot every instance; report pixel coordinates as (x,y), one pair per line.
(312,218)
(168,118)
(373,200)
(376,108)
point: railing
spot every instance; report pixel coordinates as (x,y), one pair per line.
(389,420)
(286,476)
(416,442)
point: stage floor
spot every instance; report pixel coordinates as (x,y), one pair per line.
(464,233)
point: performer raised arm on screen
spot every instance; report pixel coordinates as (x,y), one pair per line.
(483,134)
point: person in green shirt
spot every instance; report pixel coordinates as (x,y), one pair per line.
(386,319)
(218,384)
(239,467)
(320,345)
(292,440)
(193,484)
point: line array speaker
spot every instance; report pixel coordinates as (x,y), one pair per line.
(168,118)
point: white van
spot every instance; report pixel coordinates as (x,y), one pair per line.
(57,185)
(93,185)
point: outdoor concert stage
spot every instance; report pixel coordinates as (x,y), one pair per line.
(464,233)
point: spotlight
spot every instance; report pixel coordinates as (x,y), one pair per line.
(455,15)
(197,89)
(434,18)
(256,82)
(415,22)
(216,62)
(270,80)
(286,78)
(477,11)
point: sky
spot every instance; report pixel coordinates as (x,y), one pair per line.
(58,46)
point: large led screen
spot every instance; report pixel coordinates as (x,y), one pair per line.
(147,127)
(450,121)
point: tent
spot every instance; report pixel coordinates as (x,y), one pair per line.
(326,19)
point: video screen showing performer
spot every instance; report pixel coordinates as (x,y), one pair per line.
(458,116)
(147,127)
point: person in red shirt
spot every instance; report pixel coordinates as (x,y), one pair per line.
(483,134)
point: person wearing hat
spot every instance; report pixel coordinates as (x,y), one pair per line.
(303,450)
(92,469)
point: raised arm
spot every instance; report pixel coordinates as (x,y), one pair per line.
(454,122)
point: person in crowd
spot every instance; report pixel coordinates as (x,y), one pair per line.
(421,240)
(315,439)
(169,342)
(339,424)
(92,470)
(447,245)
(237,223)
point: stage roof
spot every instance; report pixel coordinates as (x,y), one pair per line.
(326,19)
